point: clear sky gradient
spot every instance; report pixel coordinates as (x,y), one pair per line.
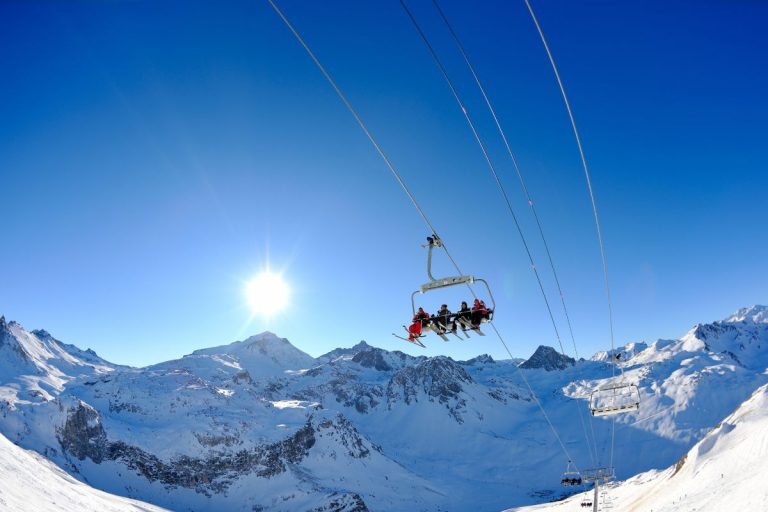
(155,155)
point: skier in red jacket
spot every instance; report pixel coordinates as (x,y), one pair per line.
(479,311)
(420,319)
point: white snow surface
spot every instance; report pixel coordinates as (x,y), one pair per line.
(35,367)
(260,425)
(263,355)
(30,482)
(726,470)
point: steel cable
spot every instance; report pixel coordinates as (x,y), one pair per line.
(410,196)
(592,198)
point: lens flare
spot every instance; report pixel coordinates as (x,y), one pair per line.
(267,294)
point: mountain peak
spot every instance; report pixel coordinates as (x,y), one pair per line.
(756,314)
(372,358)
(481,359)
(42,334)
(339,352)
(263,354)
(549,359)
(263,336)
(261,341)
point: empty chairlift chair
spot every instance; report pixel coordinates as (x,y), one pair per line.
(614,398)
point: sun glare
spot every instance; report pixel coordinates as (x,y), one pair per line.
(267,294)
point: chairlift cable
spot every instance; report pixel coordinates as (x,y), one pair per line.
(514,164)
(585,167)
(492,167)
(536,399)
(410,195)
(356,116)
(591,196)
(524,187)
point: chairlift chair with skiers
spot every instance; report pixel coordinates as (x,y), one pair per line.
(439,324)
(571,477)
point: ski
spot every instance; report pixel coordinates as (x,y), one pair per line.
(414,341)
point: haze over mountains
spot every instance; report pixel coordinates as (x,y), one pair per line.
(260,425)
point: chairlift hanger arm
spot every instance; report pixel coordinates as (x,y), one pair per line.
(436,284)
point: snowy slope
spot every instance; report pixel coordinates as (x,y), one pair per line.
(726,470)
(259,423)
(32,483)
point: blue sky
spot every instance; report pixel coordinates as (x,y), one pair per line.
(155,155)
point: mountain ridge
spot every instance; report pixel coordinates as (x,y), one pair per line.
(258,417)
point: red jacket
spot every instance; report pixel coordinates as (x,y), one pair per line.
(479,306)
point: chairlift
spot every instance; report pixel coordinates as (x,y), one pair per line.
(614,399)
(593,475)
(571,477)
(586,502)
(442,325)
(445,282)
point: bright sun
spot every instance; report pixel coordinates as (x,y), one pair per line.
(267,293)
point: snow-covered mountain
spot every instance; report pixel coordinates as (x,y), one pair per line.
(689,384)
(724,471)
(260,425)
(35,367)
(263,355)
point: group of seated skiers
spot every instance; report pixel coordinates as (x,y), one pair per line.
(445,321)
(571,481)
(586,504)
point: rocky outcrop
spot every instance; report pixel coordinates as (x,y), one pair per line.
(215,473)
(439,379)
(372,358)
(345,387)
(339,352)
(481,359)
(549,359)
(742,337)
(341,430)
(83,434)
(342,502)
